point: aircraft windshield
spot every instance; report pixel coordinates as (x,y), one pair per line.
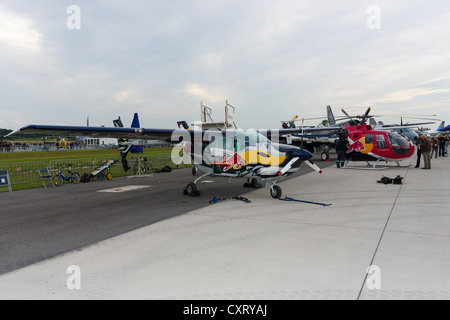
(250,138)
(238,141)
(396,140)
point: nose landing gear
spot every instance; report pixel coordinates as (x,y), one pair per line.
(275,192)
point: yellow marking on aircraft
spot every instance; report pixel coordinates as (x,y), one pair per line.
(261,157)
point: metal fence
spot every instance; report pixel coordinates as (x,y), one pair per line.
(23,172)
(26,173)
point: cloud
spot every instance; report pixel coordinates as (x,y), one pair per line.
(19,32)
(270,59)
(129,97)
(411,94)
(204,94)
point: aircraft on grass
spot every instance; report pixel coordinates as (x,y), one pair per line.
(242,154)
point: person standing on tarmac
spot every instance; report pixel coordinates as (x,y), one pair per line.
(434,148)
(341,149)
(418,142)
(425,148)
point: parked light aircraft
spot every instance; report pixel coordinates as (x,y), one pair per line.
(247,154)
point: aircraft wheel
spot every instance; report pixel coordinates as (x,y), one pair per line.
(254,184)
(191,190)
(324,156)
(275,192)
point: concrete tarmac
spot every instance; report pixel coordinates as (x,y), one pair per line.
(374,241)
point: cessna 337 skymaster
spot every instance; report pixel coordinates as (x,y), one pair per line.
(230,153)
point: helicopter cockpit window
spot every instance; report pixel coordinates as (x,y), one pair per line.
(396,140)
(369,138)
(381,142)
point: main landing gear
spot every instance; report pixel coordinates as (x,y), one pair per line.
(191,188)
(252,183)
(275,191)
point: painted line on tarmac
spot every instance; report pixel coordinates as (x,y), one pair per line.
(123,189)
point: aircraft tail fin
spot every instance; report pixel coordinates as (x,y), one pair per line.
(118,123)
(124,145)
(441,125)
(183,124)
(330,116)
(135,123)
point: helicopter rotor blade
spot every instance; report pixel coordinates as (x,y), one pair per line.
(366,115)
(348,116)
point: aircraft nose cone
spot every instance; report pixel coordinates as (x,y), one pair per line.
(301,154)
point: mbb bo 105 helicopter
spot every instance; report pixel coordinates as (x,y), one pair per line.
(367,144)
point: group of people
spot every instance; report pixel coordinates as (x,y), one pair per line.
(427,147)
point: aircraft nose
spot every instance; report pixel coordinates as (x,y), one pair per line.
(301,154)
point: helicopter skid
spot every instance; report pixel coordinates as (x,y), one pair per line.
(365,168)
(374,166)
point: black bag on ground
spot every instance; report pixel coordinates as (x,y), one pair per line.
(86,177)
(397,180)
(385,180)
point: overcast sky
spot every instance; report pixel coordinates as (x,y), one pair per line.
(271,59)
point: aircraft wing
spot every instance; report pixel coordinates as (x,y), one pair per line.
(394,126)
(168,135)
(100,132)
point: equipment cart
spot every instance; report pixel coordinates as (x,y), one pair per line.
(103,171)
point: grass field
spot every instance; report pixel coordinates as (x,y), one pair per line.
(23,166)
(12,157)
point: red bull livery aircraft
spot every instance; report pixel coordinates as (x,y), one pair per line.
(230,153)
(366,144)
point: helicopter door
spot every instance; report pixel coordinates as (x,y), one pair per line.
(381,141)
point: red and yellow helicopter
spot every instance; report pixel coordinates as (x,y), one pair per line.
(368,144)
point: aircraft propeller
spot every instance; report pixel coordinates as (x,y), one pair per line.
(363,117)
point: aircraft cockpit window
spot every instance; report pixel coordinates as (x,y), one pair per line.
(381,142)
(249,139)
(396,140)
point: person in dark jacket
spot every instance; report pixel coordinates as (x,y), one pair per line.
(425,148)
(341,149)
(418,142)
(441,145)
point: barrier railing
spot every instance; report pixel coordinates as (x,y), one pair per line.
(22,173)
